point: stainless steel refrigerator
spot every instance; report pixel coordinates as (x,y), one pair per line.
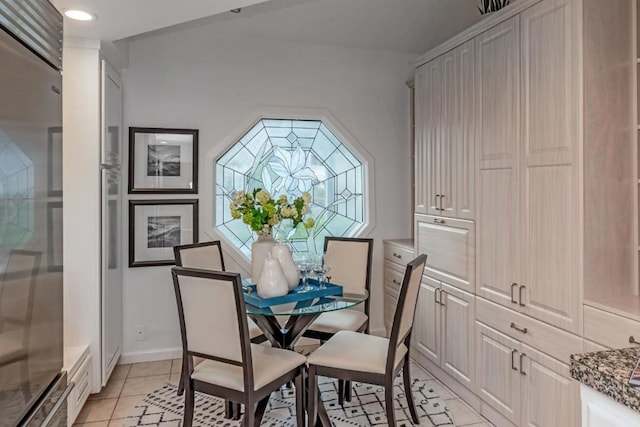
(33,387)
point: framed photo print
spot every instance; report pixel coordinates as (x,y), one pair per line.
(156,226)
(163,160)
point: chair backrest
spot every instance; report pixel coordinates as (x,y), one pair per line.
(406,308)
(213,323)
(206,255)
(350,260)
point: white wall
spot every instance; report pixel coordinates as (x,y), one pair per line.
(190,79)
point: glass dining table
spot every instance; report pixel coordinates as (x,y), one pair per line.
(298,316)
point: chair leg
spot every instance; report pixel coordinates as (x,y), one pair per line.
(388,401)
(249,414)
(262,407)
(347,391)
(406,379)
(183,375)
(312,397)
(300,397)
(341,392)
(189,401)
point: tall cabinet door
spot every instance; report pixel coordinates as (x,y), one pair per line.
(433,133)
(458,334)
(547,382)
(420,144)
(111,267)
(550,214)
(463,133)
(497,136)
(427,326)
(499,380)
(446,165)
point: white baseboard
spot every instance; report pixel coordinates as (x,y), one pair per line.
(150,356)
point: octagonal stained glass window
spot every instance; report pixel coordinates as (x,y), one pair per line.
(289,157)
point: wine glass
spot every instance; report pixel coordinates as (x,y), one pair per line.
(321,268)
(305,265)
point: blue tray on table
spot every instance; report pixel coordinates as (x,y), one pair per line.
(251,296)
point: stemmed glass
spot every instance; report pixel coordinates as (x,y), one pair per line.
(304,262)
(321,268)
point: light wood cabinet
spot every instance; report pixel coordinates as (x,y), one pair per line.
(522,384)
(450,246)
(397,253)
(528,191)
(445,135)
(445,331)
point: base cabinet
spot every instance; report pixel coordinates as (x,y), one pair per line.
(525,386)
(444,331)
(599,410)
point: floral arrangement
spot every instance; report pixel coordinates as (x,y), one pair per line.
(261,212)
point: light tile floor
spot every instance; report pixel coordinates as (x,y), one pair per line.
(130,383)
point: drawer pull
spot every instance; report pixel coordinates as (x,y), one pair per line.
(443,302)
(523,330)
(632,340)
(438,221)
(520,295)
(437,196)
(522,356)
(513,300)
(435,296)
(513,363)
(396,282)
(397,255)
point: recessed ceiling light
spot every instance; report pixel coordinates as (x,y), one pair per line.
(79,15)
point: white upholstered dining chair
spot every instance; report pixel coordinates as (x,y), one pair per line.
(350,260)
(213,325)
(207,256)
(355,356)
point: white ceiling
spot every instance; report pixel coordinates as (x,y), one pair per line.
(411,26)
(118,19)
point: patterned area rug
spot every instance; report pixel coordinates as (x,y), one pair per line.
(163,408)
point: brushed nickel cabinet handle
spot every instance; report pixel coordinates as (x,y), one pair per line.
(438,221)
(513,300)
(397,255)
(523,330)
(513,363)
(437,197)
(435,296)
(396,282)
(522,356)
(632,340)
(441,197)
(522,287)
(443,302)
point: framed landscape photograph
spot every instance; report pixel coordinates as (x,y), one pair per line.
(156,226)
(163,160)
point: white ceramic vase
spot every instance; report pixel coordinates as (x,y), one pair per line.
(282,253)
(259,250)
(272,282)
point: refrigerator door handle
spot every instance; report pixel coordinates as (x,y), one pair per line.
(59,404)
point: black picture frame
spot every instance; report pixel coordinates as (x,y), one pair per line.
(54,161)
(165,224)
(163,161)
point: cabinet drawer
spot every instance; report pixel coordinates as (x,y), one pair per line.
(398,254)
(609,330)
(81,391)
(393,275)
(546,338)
(450,248)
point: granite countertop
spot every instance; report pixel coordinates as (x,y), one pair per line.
(608,372)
